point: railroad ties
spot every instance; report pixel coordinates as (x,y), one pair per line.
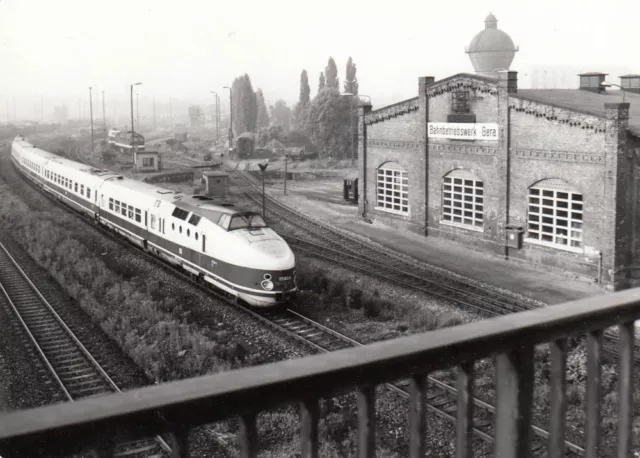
(74,370)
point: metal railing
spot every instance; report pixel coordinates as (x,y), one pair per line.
(180,406)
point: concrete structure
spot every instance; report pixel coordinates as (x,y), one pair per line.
(491,49)
(147,161)
(216,183)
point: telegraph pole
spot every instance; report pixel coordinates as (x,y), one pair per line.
(286,161)
(137,109)
(104,117)
(91,115)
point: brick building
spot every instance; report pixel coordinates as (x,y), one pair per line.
(477,160)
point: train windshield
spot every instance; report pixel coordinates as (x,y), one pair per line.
(246,221)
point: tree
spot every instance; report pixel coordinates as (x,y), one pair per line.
(245,107)
(281,115)
(331,73)
(329,123)
(351,82)
(322,83)
(301,109)
(305,90)
(262,120)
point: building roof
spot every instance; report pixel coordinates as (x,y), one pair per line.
(631,75)
(585,102)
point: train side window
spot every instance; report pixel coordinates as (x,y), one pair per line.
(123,209)
(82,189)
(188,233)
(89,193)
(75,186)
(111,203)
(153,221)
(196,235)
(180,229)
(138,215)
(173,227)
(130,208)
(117,206)
(204,243)
(145,217)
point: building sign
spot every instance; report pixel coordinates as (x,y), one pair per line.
(463,131)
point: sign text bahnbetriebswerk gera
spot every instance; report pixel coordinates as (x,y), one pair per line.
(463,131)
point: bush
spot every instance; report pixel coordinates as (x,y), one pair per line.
(355,298)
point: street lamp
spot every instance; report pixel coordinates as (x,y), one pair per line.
(353,143)
(263,167)
(624,93)
(133,143)
(230,119)
(91,115)
(104,118)
(217,123)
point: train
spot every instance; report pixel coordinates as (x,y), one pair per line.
(215,242)
(121,141)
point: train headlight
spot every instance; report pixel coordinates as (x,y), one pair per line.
(267,284)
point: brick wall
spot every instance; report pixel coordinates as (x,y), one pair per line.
(395,140)
(536,142)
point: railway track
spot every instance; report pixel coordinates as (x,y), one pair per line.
(441,396)
(379,262)
(72,368)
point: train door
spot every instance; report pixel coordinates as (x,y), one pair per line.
(145,219)
(204,243)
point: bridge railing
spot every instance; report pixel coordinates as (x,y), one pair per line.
(180,406)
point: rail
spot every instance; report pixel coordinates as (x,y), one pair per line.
(69,428)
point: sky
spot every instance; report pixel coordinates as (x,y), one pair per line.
(52,51)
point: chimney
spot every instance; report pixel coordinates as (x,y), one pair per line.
(591,82)
(630,83)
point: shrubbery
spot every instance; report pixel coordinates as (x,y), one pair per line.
(152,329)
(341,294)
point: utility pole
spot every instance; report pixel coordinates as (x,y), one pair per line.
(286,161)
(133,143)
(230,119)
(263,167)
(137,109)
(91,115)
(217,112)
(104,117)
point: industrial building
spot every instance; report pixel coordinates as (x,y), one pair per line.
(547,176)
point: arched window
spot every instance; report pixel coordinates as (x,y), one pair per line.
(463,198)
(554,214)
(392,189)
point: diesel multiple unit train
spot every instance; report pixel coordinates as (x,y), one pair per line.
(121,141)
(233,250)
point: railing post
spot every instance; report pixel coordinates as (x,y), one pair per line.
(417,410)
(514,383)
(594,394)
(180,443)
(366,421)
(558,398)
(464,438)
(309,428)
(248,436)
(625,419)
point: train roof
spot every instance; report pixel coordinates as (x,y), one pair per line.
(208,207)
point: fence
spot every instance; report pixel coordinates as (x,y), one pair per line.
(179,406)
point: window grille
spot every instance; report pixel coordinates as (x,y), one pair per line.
(392,190)
(463,199)
(555,216)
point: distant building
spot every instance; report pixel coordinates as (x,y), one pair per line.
(546,176)
(147,161)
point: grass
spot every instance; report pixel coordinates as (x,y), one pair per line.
(153,330)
